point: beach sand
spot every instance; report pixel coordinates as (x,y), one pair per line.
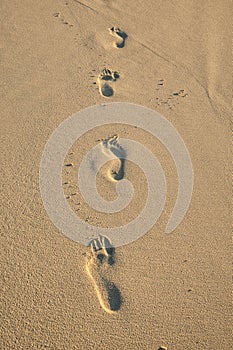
(164,290)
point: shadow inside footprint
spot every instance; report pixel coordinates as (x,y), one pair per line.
(112,145)
(97,267)
(114,296)
(120,174)
(104,80)
(107,90)
(120,35)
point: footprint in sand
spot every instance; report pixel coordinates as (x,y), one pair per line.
(111,145)
(119,35)
(98,268)
(105,79)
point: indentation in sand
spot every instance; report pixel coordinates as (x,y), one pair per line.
(119,35)
(105,80)
(62,19)
(111,145)
(98,267)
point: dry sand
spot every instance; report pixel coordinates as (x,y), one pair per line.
(59,57)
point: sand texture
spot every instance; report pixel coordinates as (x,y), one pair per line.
(163,291)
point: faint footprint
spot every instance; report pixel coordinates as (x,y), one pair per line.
(112,145)
(104,80)
(119,35)
(98,267)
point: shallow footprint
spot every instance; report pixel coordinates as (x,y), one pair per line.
(119,35)
(111,145)
(98,265)
(104,80)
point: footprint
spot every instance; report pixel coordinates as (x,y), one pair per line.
(112,145)
(104,80)
(119,35)
(98,267)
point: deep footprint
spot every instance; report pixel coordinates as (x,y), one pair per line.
(119,35)
(98,265)
(105,79)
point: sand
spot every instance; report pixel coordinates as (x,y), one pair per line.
(171,291)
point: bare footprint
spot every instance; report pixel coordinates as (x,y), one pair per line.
(98,267)
(112,145)
(119,35)
(104,80)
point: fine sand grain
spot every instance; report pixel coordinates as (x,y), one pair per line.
(162,291)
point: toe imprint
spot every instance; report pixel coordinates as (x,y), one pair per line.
(105,79)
